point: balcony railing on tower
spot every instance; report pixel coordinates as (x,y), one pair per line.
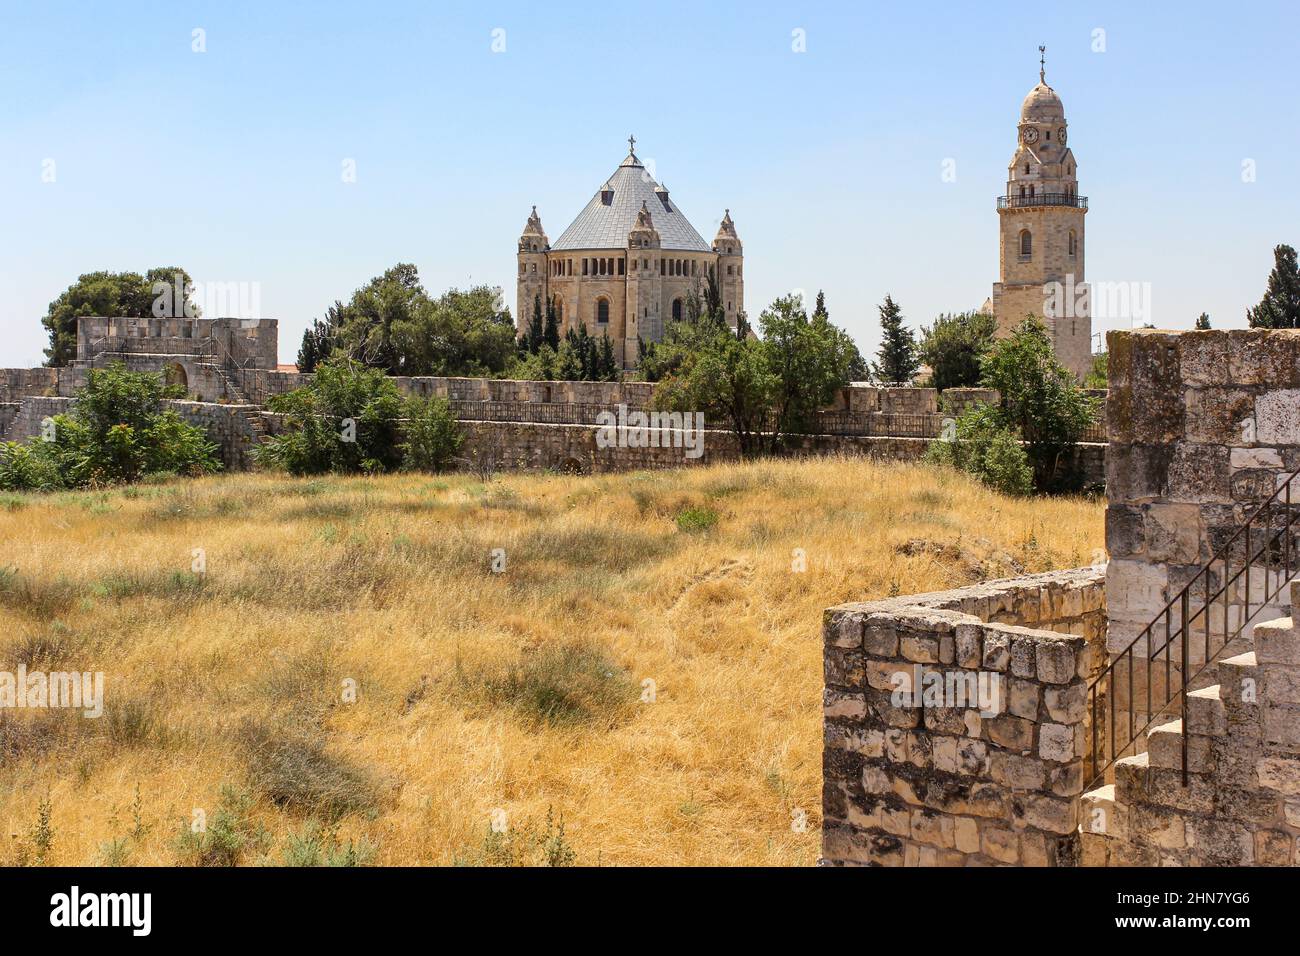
(1043,199)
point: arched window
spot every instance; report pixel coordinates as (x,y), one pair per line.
(1073,243)
(559,311)
(1026,244)
(677,310)
(602,311)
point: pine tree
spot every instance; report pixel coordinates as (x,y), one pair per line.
(897,361)
(819,311)
(606,365)
(551,334)
(534,335)
(1203,321)
(1280,307)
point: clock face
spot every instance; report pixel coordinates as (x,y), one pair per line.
(1060,134)
(1031,135)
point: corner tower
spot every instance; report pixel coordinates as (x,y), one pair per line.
(731,268)
(532,270)
(1040,257)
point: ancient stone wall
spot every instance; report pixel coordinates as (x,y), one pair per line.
(950,779)
(1201,425)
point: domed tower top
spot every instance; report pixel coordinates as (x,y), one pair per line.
(1042,163)
(726,241)
(533,238)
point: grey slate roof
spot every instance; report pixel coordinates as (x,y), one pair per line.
(599,226)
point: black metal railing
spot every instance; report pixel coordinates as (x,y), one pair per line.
(1270,527)
(1043,199)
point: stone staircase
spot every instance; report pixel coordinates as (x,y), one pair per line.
(1239,804)
(250,412)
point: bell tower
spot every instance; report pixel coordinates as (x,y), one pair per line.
(532,281)
(1040,217)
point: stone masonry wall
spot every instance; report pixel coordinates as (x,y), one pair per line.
(946,783)
(1201,425)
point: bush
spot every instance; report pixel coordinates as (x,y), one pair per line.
(346,420)
(117,432)
(985,447)
(433,436)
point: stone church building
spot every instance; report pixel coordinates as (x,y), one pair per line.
(627,262)
(1040,259)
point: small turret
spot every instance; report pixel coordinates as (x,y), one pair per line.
(731,268)
(533,246)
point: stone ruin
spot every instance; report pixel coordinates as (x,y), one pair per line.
(1150,709)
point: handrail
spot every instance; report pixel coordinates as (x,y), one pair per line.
(1043,199)
(1181,604)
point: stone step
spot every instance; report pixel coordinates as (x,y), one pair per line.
(1277,642)
(1206,716)
(1165,749)
(1099,814)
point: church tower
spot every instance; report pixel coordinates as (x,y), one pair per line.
(731,262)
(1040,219)
(532,270)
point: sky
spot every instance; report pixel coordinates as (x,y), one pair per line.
(859,146)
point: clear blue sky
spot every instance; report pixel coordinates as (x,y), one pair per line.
(228,162)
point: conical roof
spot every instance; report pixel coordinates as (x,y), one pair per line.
(605,222)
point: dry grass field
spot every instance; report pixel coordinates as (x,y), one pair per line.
(350,681)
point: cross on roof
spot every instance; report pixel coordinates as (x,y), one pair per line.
(631,144)
(1042,64)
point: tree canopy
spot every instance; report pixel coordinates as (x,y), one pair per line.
(108,294)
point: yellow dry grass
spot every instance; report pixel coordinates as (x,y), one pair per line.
(387,582)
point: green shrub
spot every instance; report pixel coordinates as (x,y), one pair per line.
(117,432)
(694,520)
(226,837)
(983,446)
(345,421)
(314,845)
(433,436)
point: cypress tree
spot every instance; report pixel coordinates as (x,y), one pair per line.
(897,361)
(1280,307)
(551,334)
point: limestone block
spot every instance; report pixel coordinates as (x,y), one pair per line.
(999,843)
(1172,532)
(1053,814)
(1135,590)
(1057,742)
(966,836)
(1277,642)
(1277,416)
(1220,416)
(1198,472)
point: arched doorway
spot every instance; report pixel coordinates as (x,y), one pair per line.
(174,374)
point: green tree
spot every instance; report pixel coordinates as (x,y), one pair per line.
(391,323)
(1280,307)
(896,360)
(551,331)
(1203,321)
(116,432)
(858,369)
(953,346)
(1099,375)
(764,388)
(431,435)
(318,339)
(109,294)
(984,445)
(534,336)
(1040,402)
(345,420)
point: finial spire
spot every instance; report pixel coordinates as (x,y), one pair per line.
(1042,64)
(631,145)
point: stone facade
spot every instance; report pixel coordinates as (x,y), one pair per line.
(627,264)
(248,343)
(949,781)
(1041,234)
(1202,427)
